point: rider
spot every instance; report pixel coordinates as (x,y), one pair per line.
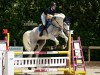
(46,16)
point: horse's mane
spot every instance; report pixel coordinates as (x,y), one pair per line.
(59,15)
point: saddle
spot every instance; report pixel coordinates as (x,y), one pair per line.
(42,27)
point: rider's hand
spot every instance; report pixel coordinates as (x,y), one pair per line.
(49,16)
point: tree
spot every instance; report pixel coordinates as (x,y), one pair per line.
(85,16)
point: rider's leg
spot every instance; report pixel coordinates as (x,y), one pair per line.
(48,23)
(43,19)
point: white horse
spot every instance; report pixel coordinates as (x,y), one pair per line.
(31,37)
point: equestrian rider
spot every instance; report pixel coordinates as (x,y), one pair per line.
(47,15)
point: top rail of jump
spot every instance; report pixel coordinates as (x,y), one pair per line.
(42,52)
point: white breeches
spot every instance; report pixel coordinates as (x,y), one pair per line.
(43,19)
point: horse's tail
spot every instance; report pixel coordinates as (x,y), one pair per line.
(26,41)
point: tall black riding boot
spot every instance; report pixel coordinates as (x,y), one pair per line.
(41,33)
(46,27)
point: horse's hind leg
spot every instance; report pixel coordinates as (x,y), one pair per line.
(40,46)
(33,45)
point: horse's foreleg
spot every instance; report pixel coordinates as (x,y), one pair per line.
(62,34)
(65,37)
(54,39)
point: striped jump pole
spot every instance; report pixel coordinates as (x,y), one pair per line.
(43,70)
(42,52)
(40,73)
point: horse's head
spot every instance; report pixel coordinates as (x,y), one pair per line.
(67,25)
(58,19)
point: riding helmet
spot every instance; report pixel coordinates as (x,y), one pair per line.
(53,4)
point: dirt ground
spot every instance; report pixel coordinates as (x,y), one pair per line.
(93,68)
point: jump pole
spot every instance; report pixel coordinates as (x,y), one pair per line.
(71,32)
(69,55)
(42,52)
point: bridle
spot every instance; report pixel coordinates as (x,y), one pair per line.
(66,30)
(57,23)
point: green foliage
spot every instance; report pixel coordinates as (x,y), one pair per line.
(85,15)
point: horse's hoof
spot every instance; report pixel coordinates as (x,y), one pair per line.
(29,68)
(57,43)
(27,74)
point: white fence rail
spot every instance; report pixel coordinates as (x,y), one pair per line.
(40,62)
(12,63)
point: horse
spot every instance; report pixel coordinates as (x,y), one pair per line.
(31,37)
